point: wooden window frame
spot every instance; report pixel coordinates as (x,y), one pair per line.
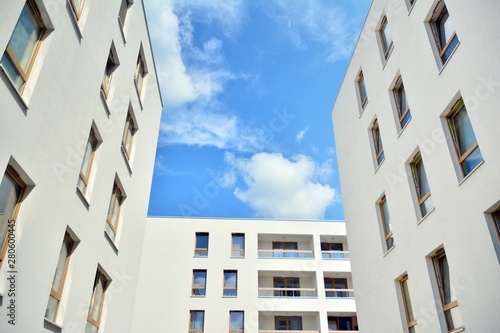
(129,122)
(242,322)
(17,179)
(125,4)
(78,11)
(204,288)
(455,110)
(224,287)
(437,16)
(385,48)
(106,86)
(201,248)
(85,178)
(195,330)
(377,142)
(388,234)
(140,73)
(98,277)
(398,92)
(287,320)
(332,281)
(286,282)
(235,249)
(361,86)
(116,197)
(410,323)
(414,170)
(10,54)
(338,322)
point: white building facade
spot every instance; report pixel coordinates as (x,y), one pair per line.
(80,112)
(236,275)
(419,155)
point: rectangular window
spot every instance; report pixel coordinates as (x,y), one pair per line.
(464,139)
(59,278)
(385,38)
(111,65)
(340,323)
(286,286)
(285,249)
(363,97)
(201,244)
(386,223)
(196,321)
(128,135)
(288,323)
(377,143)
(402,105)
(236,320)
(199,283)
(123,12)
(421,185)
(140,74)
(12,189)
(447,292)
(444,32)
(238,245)
(336,287)
(96,303)
(88,158)
(77,6)
(230,283)
(332,250)
(410,319)
(23,45)
(114,211)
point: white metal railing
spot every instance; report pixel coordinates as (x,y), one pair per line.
(339,293)
(288,292)
(286,254)
(336,255)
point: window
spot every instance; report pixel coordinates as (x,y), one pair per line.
(12,189)
(196,321)
(340,323)
(88,158)
(496,221)
(201,244)
(335,287)
(449,301)
(288,323)
(128,135)
(385,38)
(59,279)
(111,65)
(23,45)
(410,319)
(421,185)
(230,283)
(464,139)
(77,6)
(114,211)
(236,320)
(96,303)
(238,245)
(444,32)
(332,250)
(360,82)
(377,143)
(123,12)
(285,249)
(386,223)
(286,286)
(140,74)
(402,105)
(199,283)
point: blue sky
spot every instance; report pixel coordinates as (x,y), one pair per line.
(248,88)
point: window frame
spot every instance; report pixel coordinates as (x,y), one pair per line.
(361,87)
(377,143)
(386,224)
(129,122)
(287,280)
(403,286)
(240,252)
(461,158)
(141,71)
(195,287)
(398,92)
(86,178)
(438,14)
(125,5)
(231,330)
(196,249)
(229,289)
(10,54)
(386,49)
(335,294)
(416,181)
(288,322)
(196,330)
(112,63)
(116,192)
(495,215)
(17,179)
(284,250)
(100,276)
(78,11)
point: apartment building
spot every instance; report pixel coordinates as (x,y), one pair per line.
(80,112)
(237,275)
(419,154)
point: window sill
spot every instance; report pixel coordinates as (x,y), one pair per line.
(105,102)
(237,257)
(448,60)
(390,250)
(121,30)
(21,99)
(470,173)
(404,127)
(112,243)
(363,108)
(378,166)
(139,97)
(460,329)
(51,326)
(386,60)
(198,296)
(226,296)
(411,8)
(200,256)
(425,216)
(82,196)
(127,161)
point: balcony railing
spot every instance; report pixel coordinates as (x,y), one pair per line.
(286,254)
(335,255)
(339,293)
(288,292)
(281,331)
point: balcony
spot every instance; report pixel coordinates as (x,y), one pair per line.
(287,284)
(290,322)
(288,292)
(335,255)
(285,246)
(286,254)
(339,293)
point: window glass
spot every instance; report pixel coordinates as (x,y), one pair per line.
(88,156)
(26,33)
(196,321)
(199,282)
(235,321)
(201,246)
(238,245)
(402,104)
(230,283)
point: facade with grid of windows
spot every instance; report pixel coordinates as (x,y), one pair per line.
(422,209)
(237,275)
(80,112)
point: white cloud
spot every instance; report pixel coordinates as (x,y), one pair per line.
(278,187)
(301,134)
